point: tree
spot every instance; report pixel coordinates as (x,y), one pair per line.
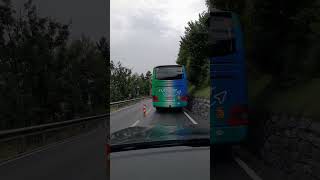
(46,77)
(281,38)
(125,84)
(193,51)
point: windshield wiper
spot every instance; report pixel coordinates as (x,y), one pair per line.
(158,144)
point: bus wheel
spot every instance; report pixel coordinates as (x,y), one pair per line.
(158,109)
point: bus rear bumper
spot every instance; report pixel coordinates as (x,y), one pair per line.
(228,135)
(170,104)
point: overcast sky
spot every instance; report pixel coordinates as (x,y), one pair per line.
(88,17)
(146,33)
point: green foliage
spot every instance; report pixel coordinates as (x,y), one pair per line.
(202,92)
(193,51)
(125,85)
(282,38)
(46,77)
(301,98)
(283,50)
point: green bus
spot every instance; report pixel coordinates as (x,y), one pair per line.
(169,87)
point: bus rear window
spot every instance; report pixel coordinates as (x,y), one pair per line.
(169,73)
(221,36)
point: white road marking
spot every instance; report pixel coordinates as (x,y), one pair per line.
(134,124)
(190,118)
(149,110)
(247,169)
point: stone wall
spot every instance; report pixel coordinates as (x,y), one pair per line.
(290,143)
(199,107)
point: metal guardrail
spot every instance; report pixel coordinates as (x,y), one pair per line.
(129,100)
(11,133)
(25,139)
(119,104)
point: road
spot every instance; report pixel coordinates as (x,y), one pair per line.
(83,157)
(228,167)
(222,169)
(133,116)
(79,158)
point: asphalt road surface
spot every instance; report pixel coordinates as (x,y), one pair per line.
(133,116)
(227,167)
(80,158)
(83,157)
(223,168)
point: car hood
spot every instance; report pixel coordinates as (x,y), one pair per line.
(157,133)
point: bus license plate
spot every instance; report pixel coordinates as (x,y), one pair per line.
(169,98)
(220,113)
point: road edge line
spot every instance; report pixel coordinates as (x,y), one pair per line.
(149,111)
(135,123)
(247,169)
(190,118)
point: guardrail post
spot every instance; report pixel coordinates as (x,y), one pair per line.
(23,138)
(43,138)
(22,145)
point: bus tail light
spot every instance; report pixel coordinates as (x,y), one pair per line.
(238,116)
(184,98)
(155,99)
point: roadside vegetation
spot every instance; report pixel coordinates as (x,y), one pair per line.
(202,92)
(193,55)
(302,98)
(124,84)
(282,43)
(46,76)
(282,52)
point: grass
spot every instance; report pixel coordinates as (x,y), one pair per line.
(256,86)
(203,92)
(191,89)
(7,150)
(112,109)
(302,98)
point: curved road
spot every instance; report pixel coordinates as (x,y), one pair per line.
(83,157)
(221,168)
